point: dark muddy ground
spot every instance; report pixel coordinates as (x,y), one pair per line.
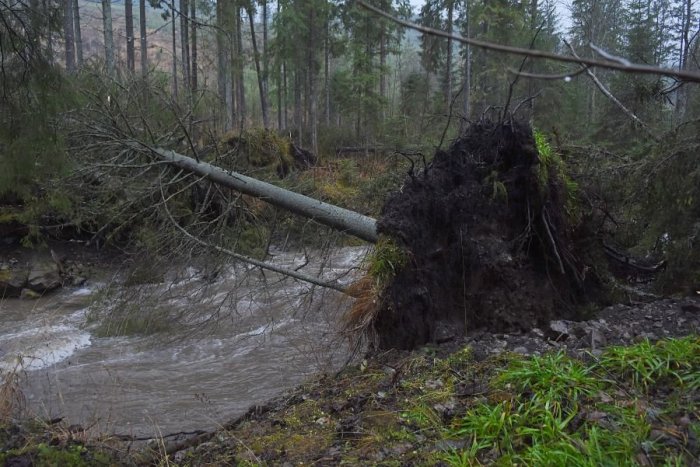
(495,238)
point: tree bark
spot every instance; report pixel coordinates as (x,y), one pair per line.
(77,35)
(467,86)
(129,24)
(193,40)
(265,57)
(108,36)
(258,70)
(344,220)
(327,72)
(281,77)
(448,66)
(223,54)
(172,11)
(68,35)
(185,44)
(144,46)
(382,66)
(240,82)
(311,70)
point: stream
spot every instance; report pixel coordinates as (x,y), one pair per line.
(241,338)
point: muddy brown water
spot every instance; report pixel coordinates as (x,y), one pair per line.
(249,337)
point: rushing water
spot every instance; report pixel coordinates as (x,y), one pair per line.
(250,337)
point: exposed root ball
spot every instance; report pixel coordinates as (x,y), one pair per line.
(489,241)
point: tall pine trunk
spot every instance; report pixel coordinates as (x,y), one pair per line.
(327,72)
(77,35)
(193,39)
(108,36)
(265,58)
(129,20)
(68,35)
(238,67)
(144,43)
(223,54)
(185,44)
(311,70)
(174,34)
(448,66)
(467,85)
(382,66)
(258,70)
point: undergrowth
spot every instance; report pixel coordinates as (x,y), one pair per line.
(557,410)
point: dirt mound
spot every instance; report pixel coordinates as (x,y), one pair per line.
(492,237)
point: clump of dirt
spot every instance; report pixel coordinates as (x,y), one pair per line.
(491,239)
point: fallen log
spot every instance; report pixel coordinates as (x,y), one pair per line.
(341,219)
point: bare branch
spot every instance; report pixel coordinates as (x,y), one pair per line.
(611,64)
(552,77)
(614,99)
(270,267)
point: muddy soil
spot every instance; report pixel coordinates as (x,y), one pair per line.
(489,241)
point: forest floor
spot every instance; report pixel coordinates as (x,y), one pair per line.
(620,389)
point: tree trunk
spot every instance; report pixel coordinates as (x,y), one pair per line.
(129,20)
(311,70)
(68,35)
(347,221)
(382,66)
(77,35)
(144,46)
(108,37)
(467,86)
(193,40)
(297,107)
(258,70)
(238,69)
(265,59)
(223,54)
(327,72)
(448,66)
(172,11)
(281,76)
(682,95)
(185,44)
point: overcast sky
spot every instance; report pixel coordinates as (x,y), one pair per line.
(562,10)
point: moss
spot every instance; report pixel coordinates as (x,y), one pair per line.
(385,261)
(552,170)
(264,148)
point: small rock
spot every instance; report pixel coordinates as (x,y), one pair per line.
(434,384)
(77,281)
(597,339)
(521,350)
(560,329)
(28,294)
(43,277)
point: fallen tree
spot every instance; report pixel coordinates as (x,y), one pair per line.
(488,235)
(347,221)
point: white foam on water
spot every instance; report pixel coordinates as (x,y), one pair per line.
(41,347)
(82,292)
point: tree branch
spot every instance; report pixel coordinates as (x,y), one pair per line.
(614,99)
(610,64)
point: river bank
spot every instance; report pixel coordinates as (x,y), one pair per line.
(623,386)
(185,353)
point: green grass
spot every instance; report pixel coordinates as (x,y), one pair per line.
(556,410)
(665,362)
